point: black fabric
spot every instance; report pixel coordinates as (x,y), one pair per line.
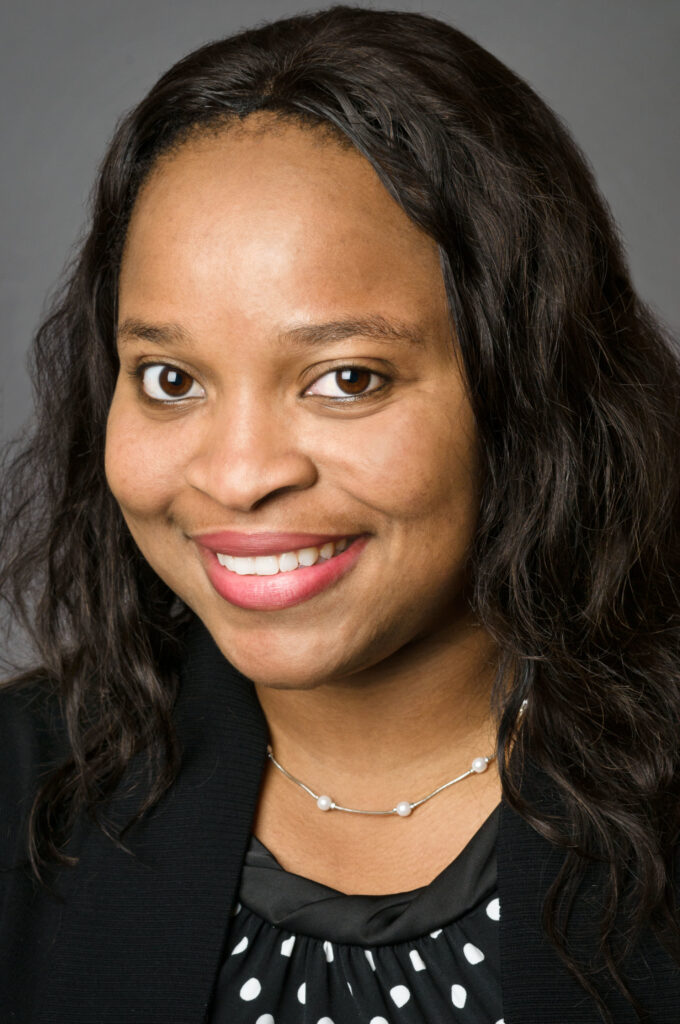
(305,907)
(300,952)
(141,937)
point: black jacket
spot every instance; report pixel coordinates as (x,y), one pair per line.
(140,938)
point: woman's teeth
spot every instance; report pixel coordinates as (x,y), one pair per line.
(269,565)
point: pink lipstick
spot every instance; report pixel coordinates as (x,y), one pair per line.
(283,589)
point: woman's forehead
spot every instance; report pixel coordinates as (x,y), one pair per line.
(243,170)
(285,217)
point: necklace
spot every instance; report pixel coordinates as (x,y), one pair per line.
(404,807)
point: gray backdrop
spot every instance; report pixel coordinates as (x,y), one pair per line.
(70,68)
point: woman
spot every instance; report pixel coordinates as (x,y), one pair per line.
(351,519)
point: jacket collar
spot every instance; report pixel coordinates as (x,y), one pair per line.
(142,936)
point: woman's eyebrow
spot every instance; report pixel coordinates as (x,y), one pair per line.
(302,335)
(158,334)
(373,326)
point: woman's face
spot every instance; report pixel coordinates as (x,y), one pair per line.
(242,249)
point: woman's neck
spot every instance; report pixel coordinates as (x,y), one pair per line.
(391,730)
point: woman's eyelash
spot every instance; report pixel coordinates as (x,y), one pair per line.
(348,371)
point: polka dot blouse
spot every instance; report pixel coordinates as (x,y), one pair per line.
(299,952)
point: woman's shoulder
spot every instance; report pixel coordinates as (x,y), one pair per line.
(32,740)
(31,720)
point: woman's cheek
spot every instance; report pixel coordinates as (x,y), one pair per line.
(423,462)
(137,463)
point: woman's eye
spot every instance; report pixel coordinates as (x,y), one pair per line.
(347,382)
(162,382)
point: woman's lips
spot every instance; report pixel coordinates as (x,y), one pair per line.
(285,589)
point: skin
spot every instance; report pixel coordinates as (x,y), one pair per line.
(377,689)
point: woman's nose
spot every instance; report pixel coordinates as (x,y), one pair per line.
(248,455)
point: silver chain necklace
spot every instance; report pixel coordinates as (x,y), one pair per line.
(404,807)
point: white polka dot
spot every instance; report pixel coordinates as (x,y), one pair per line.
(328,950)
(400,994)
(287,946)
(378,1020)
(266,1018)
(243,944)
(350,989)
(501,1021)
(493,910)
(369,957)
(251,989)
(236,910)
(302,992)
(433,935)
(417,960)
(324,1020)
(458,996)
(472,954)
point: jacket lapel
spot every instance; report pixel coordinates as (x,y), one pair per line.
(536,984)
(142,936)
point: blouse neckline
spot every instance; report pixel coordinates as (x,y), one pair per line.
(303,906)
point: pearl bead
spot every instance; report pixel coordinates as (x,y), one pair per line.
(403,808)
(324,803)
(479,764)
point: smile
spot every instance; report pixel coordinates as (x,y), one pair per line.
(287,561)
(276,581)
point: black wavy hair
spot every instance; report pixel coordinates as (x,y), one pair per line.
(576,392)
